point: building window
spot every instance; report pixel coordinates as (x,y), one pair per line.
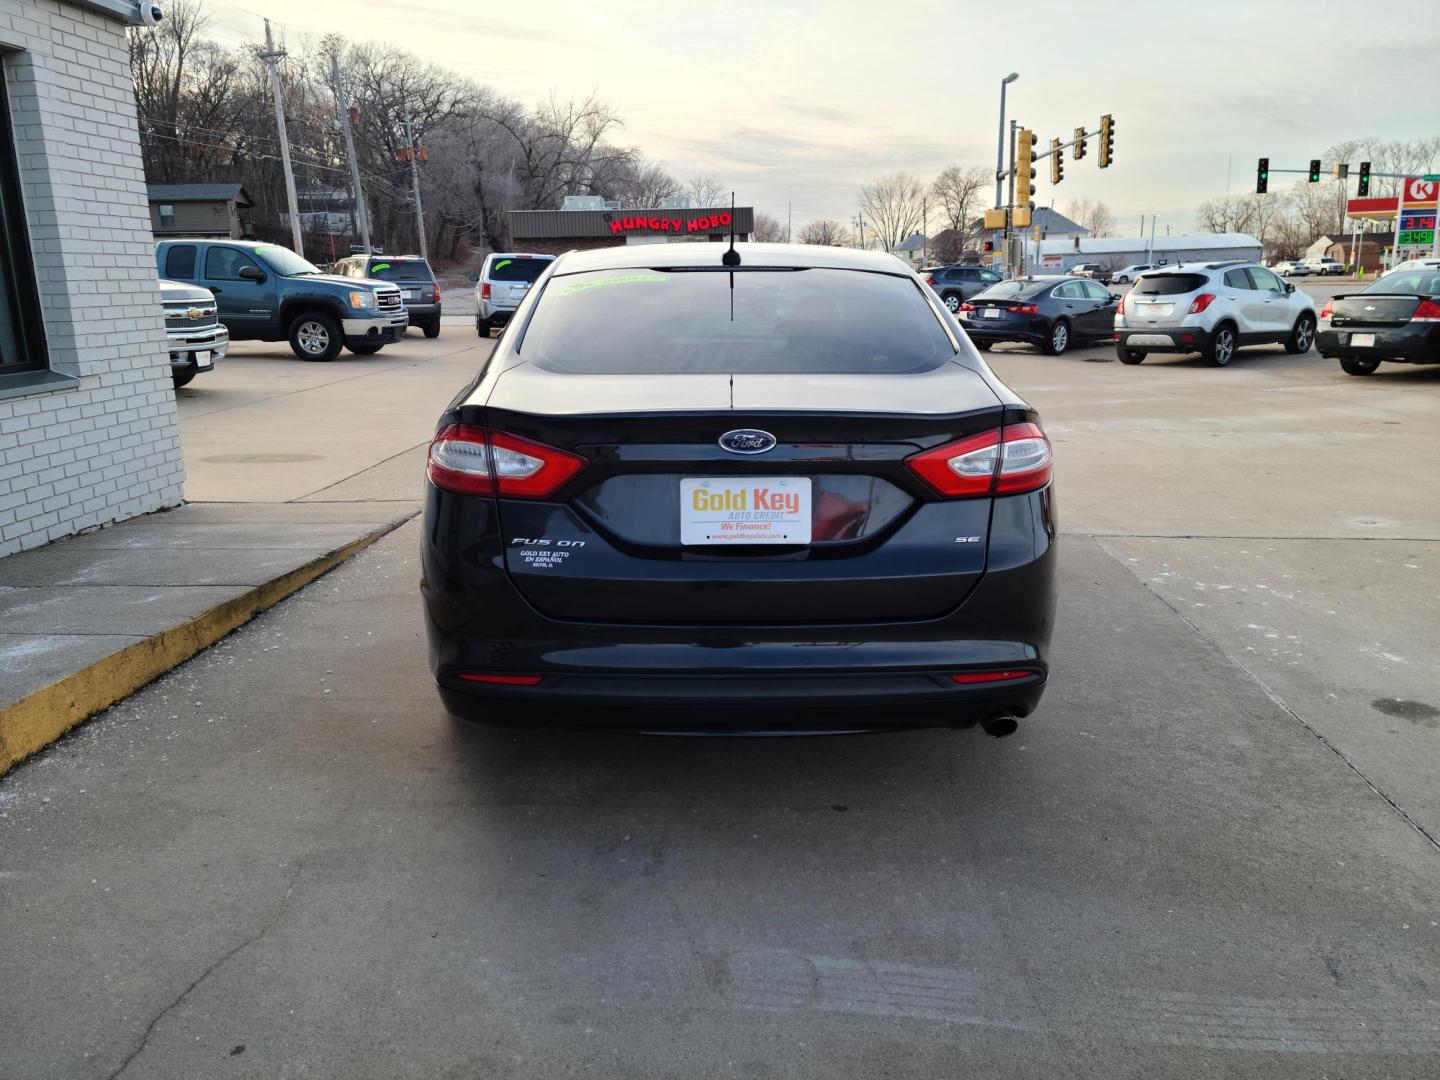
(22,336)
(167,216)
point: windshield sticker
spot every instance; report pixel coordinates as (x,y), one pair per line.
(379,266)
(502,264)
(624,279)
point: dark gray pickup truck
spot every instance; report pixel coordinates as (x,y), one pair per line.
(268,293)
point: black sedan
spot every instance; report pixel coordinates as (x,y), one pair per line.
(738,498)
(1396,318)
(1055,313)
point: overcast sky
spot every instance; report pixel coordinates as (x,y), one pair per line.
(803,101)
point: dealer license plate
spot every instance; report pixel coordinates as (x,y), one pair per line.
(992,313)
(1363,341)
(202,359)
(753,510)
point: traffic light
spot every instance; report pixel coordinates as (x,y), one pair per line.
(1057,162)
(1079,150)
(1025,167)
(1364,188)
(1262,176)
(1314,170)
(1107,141)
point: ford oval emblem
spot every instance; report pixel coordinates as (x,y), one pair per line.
(747,441)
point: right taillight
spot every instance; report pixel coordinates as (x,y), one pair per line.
(1201,302)
(1006,461)
(1427,311)
(1120,306)
(473,460)
(485,290)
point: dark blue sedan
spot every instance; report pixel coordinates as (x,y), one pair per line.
(1055,313)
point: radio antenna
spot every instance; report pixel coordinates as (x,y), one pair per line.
(731,257)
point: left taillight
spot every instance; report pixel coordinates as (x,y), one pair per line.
(1006,461)
(473,460)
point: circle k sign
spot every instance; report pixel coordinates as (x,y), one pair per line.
(1418,190)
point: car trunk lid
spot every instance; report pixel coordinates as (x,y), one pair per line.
(1373,310)
(609,547)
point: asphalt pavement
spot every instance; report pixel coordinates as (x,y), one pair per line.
(1209,853)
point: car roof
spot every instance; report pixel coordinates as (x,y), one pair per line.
(517,255)
(643,256)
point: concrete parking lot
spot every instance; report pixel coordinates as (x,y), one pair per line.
(1212,852)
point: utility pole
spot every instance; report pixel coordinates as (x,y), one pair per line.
(342,114)
(924,228)
(413,154)
(272,57)
(788,216)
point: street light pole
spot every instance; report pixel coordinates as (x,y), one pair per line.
(1000,142)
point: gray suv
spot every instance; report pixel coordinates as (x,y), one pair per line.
(956,284)
(412,274)
(502,283)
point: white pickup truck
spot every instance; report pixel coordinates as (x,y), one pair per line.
(193,330)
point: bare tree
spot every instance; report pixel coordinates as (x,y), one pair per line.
(704,190)
(638,183)
(826,231)
(768,229)
(1316,208)
(1092,215)
(893,208)
(958,193)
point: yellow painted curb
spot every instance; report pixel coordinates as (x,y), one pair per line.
(34,722)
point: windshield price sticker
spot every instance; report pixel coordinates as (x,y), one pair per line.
(753,510)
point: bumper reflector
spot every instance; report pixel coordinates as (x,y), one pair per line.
(502,680)
(969,677)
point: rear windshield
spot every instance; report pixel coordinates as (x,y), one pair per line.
(1425,282)
(1008,290)
(650,321)
(400,270)
(517,269)
(1169,284)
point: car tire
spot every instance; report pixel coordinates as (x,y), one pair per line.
(1352,366)
(1220,349)
(432,328)
(1058,339)
(182,379)
(315,335)
(1302,336)
(365,350)
(953,302)
(482,327)
(983,346)
(1129,356)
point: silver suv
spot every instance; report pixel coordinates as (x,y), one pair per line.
(501,284)
(1212,309)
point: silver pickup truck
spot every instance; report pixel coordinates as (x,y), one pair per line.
(193,329)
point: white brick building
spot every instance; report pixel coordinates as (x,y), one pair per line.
(88,429)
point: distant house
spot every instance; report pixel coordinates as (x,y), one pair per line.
(1372,248)
(213,210)
(1053,225)
(911,250)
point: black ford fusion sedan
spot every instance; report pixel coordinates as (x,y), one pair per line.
(744,498)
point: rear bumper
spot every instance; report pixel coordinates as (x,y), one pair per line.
(1414,343)
(1180,339)
(628,675)
(421,311)
(1027,329)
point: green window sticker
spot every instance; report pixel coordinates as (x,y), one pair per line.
(502,263)
(379,266)
(623,279)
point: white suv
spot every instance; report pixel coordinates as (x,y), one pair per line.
(1212,309)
